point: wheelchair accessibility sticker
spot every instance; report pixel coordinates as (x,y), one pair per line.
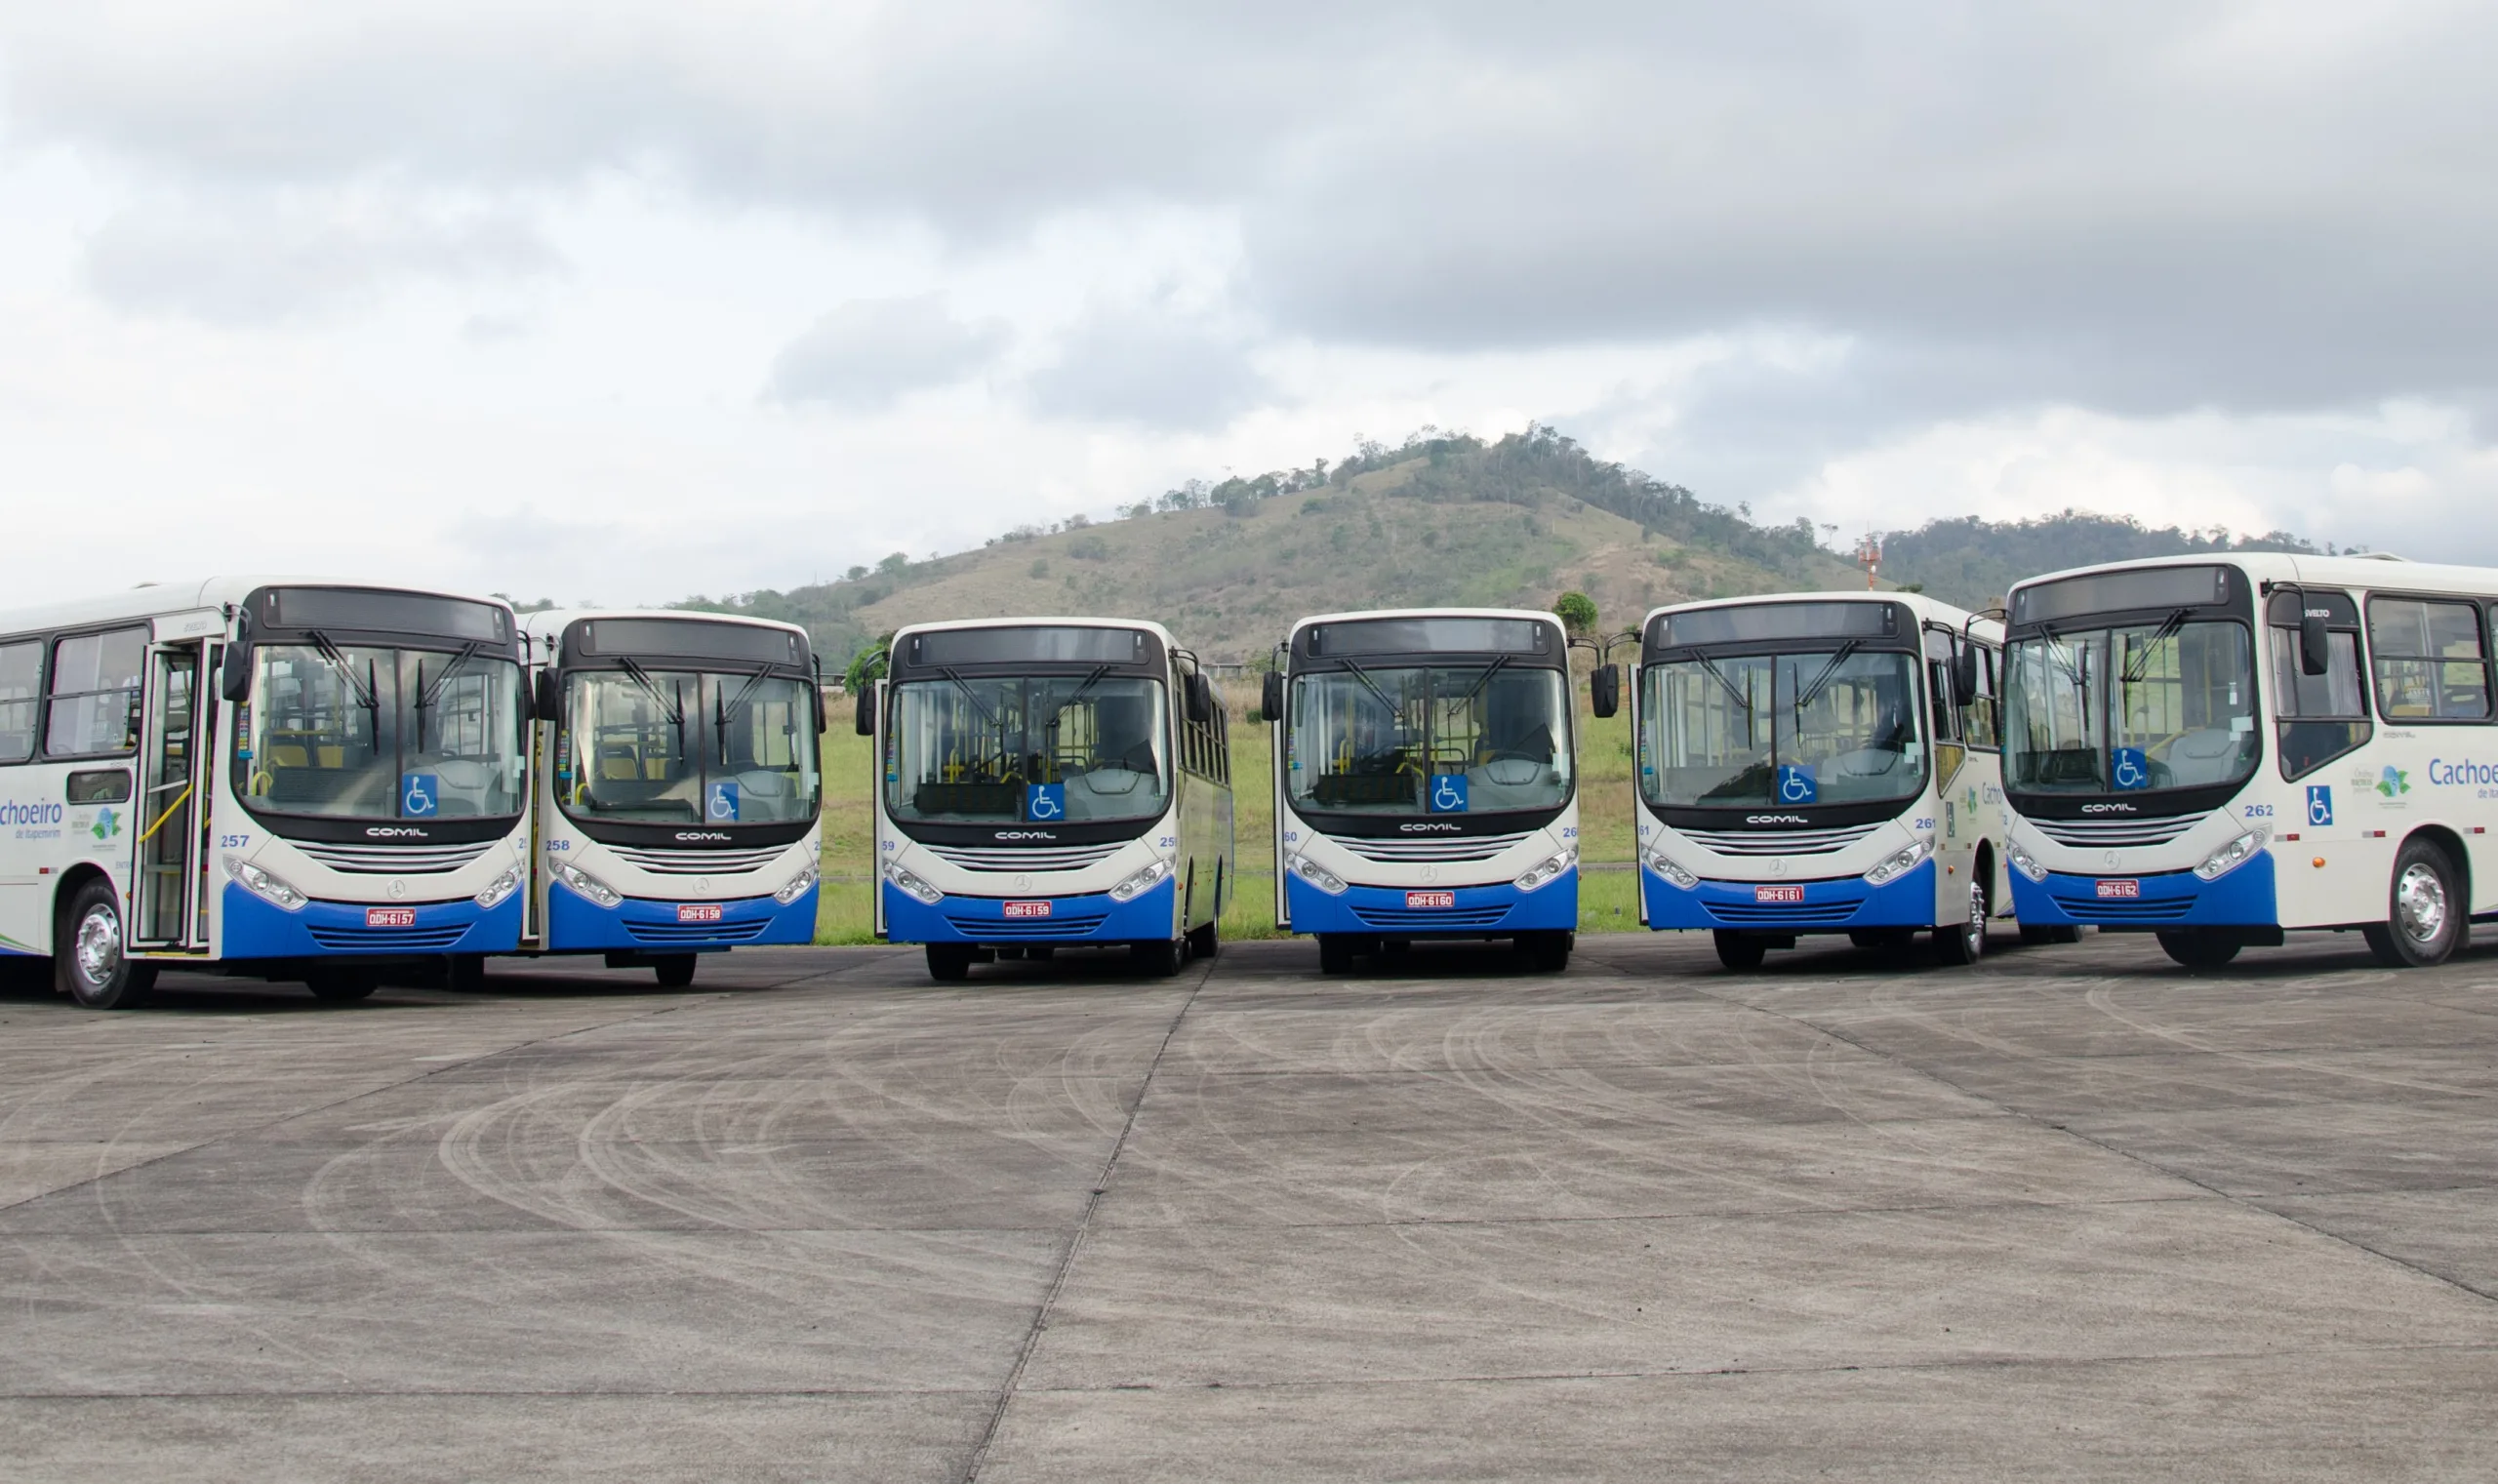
(2319,804)
(1448,794)
(1044,801)
(720,804)
(1797,785)
(419,794)
(2131,768)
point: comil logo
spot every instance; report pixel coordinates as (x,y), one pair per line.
(396,832)
(1023,834)
(2108,809)
(1775,818)
(702,836)
(1418,830)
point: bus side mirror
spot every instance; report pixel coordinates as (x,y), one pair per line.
(1200,693)
(1965,677)
(1270,695)
(234,681)
(1604,689)
(543,699)
(2316,645)
(862,708)
(817,689)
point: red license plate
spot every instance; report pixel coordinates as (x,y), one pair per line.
(2125,889)
(1028,909)
(1777,894)
(698,912)
(1418,901)
(389,917)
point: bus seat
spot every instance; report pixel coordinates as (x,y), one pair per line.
(2206,756)
(332,757)
(655,769)
(617,762)
(286,755)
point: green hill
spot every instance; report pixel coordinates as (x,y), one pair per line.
(1436,520)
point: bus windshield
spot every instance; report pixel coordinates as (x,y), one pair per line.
(1832,726)
(1029,749)
(1412,739)
(678,746)
(380,734)
(2118,708)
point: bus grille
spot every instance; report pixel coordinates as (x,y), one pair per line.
(699,863)
(1428,918)
(2117,834)
(1778,842)
(393,859)
(2121,909)
(389,940)
(1398,851)
(697,932)
(986,928)
(1783,914)
(1013,858)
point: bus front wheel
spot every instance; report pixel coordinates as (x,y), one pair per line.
(674,971)
(2197,950)
(1335,953)
(1158,957)
(1739,951)
(88,963)
(1549,951)
(950,963)
(1204,942)
(1956,946)
(2426,918)
(338,983)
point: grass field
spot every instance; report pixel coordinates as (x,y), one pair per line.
(1606,901)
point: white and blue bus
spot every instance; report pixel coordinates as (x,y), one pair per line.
(1822,762)
(678,790)
(1425,783)
(1049,784)
(290,778)
(2221,749)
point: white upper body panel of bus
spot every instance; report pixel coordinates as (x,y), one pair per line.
(156,599)
(1927,610)
(2376,571)
(544,628)
(1169,644)
(1421,612)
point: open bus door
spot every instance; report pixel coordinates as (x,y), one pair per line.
(169,882)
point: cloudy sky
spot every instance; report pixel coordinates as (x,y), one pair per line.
(640,299)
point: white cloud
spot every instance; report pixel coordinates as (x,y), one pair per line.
(864,354)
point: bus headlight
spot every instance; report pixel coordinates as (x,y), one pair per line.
(1673,874)
(1137,885)
(501,887)
(1316,874)
(1551,868)
(1899,862)
(2022,862)
(585,883)
(796,888)
(2234,853)
(262,884)
(912,886)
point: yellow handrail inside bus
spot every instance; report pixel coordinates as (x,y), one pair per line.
(167,815)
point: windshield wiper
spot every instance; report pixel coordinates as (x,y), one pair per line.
(973,696)
(1742,697)
(720,714)
(2135,667)
(1489,672)
(367,691)
(1372,686)
(427,695)
(1821,682)
(672,711)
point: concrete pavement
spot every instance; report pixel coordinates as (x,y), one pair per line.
(2073,1213)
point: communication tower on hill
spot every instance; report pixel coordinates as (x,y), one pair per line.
(1869,555)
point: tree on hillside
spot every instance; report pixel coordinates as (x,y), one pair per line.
(1577,612)
(869,663)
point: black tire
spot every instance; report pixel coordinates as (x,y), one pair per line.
(2198,950)
(1204,941)
(1335,954)
(1958,945)
(1157,958)
(341,984)
(950,963)
(465,973)
(674,971)
(88,963)
(1549,952)
(2427,916)
(2038,935)
(1739,951)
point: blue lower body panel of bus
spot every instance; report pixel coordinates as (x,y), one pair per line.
(2244,898)
(258,929)
(1474,911)
(577,925)
(1090,918)
(1846,903)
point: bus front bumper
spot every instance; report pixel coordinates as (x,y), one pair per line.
(577,925)
(2244,898)
(1475,911)
(1840,904)
(1091,917)
(257,929)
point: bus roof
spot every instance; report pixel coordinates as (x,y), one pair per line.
(156,599)
(1040,621)
(1927,610)
(550,622)
(2371,571)
(1424,613)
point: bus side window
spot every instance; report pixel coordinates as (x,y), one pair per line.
(21,681)
(1938,686)
(94,706)
(2324,716)
(2431,663)
(1979,719)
